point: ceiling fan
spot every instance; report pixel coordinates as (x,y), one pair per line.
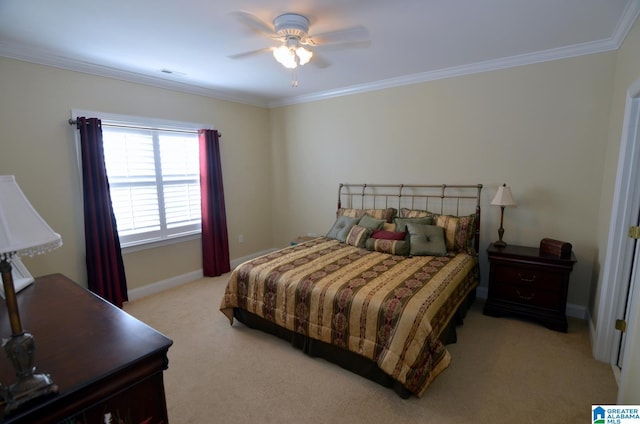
(292,31)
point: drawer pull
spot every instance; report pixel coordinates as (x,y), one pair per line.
(527,279)
(523,297)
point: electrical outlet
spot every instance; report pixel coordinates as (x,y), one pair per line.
(241,238)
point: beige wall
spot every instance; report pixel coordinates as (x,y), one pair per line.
(540,128)
(627,72)
(37,147)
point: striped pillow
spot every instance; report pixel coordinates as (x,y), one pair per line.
(393,247)
(358,236)
(414,213)
(386,214)
(458,232)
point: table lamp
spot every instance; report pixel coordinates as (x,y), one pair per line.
(22,232)
(502,198)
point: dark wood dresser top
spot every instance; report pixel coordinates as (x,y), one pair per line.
(81,340)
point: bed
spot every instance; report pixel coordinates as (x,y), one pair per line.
(382,292)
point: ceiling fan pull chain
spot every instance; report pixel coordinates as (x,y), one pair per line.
(294,78)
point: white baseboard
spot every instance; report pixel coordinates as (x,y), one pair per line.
(179,280)
(159,286)
(482,292)
(573,310)
(592,337)
(577,311)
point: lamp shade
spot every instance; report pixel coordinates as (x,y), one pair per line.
(22,229)
(503,197)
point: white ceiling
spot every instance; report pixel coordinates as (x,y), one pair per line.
(411,41)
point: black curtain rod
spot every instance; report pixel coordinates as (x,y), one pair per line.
(74,122)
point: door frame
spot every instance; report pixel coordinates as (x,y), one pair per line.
(618,258)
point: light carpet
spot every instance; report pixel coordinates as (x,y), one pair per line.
(503,370)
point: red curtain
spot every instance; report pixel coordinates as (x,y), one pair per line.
(215,239)
(105,268)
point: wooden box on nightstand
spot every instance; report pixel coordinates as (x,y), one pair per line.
(525,283)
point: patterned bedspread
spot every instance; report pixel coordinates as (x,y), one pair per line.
(390,309)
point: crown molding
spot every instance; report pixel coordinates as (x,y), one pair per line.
(613,43)
(625,23)
(44,58)
(456,71)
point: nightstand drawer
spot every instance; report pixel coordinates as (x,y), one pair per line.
(527,295)
(537,277)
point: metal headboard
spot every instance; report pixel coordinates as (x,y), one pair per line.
(442,199)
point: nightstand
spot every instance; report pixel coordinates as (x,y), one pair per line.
(526,284)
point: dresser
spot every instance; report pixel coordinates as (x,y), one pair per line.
(105,362)
(526,284)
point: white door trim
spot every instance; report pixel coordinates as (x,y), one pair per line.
(618,258)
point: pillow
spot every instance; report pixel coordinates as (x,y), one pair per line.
(426,240)
(401,223)
(414,213)
(458,231)
(389,226)
(388,235)
(358,235)
(371,222)
(393,247)
(386,214)
(341,227)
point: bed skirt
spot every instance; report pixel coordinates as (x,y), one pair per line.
(347,359)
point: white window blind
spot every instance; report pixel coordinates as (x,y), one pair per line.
(154,182)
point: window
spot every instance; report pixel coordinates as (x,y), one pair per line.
(154,178)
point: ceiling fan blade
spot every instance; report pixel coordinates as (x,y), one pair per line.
(356,33)
(250,53)
(345,45)
(255,24)
(319,61)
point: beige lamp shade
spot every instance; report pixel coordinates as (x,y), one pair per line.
(503,197)
(22,229)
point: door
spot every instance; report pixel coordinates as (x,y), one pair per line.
(621,272)
(627,294)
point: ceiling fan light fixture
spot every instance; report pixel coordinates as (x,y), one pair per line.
(286,56)
(304,55)
(290,57)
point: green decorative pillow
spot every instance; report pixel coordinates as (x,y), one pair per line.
(393,247)
(458,231)
(401,223)
(358,236)
(371,222)
(426,240)
(341,227)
